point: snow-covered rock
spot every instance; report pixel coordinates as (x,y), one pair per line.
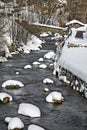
(17,73)
(44,34)
(40,59)
(46,90)
(43,66)
(27,67)
(82,88)
(29,110)
(36,63)
(5,97)
(55,97)
(35,127)
(63,78)
(14,123)
(47,80)
(50,55)
(8,119)
(12,83)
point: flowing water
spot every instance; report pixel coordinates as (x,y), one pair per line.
(70,115)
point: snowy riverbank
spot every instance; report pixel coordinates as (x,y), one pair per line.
(73,59)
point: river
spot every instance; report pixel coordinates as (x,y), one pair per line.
(70,115)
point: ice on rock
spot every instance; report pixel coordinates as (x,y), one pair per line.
(12,83)
(47,80)
(14,123)
(29,110)
(54,97)
(35,127)
(5,95)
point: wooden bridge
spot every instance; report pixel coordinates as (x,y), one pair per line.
(37,29)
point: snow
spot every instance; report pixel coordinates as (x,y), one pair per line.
(14,123)
(49,55)
(41,59)
(62,1)
(8,39)
(17,73)
(27,67)
(54,96)
(1,3)
(36,63)
(33,44)
(50,26)
(84,28)
(63,78)
(74,21)
(47,80)
(7,119)
(35,127)
(13,83)
(75,60)
(8,54)
(44,34)
(4,95)
(43,66)
(29,110)
(46,89)
(3,59)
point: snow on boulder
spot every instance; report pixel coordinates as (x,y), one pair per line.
(17,73)
(40,59)
(47,80)
(44,34)
(46,90)
(55,97)
(35,127)
(8,119)
(43,66)
(10,84)
(29,110)
(36,63)
(27,67)
(14,123)
(50,55)
(5,98)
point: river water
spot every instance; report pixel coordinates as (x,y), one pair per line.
(70,115)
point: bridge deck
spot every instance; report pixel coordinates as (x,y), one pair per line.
(37,29)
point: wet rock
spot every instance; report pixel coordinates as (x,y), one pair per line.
(6,100)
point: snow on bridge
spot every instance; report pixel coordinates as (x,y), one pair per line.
(37,29)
